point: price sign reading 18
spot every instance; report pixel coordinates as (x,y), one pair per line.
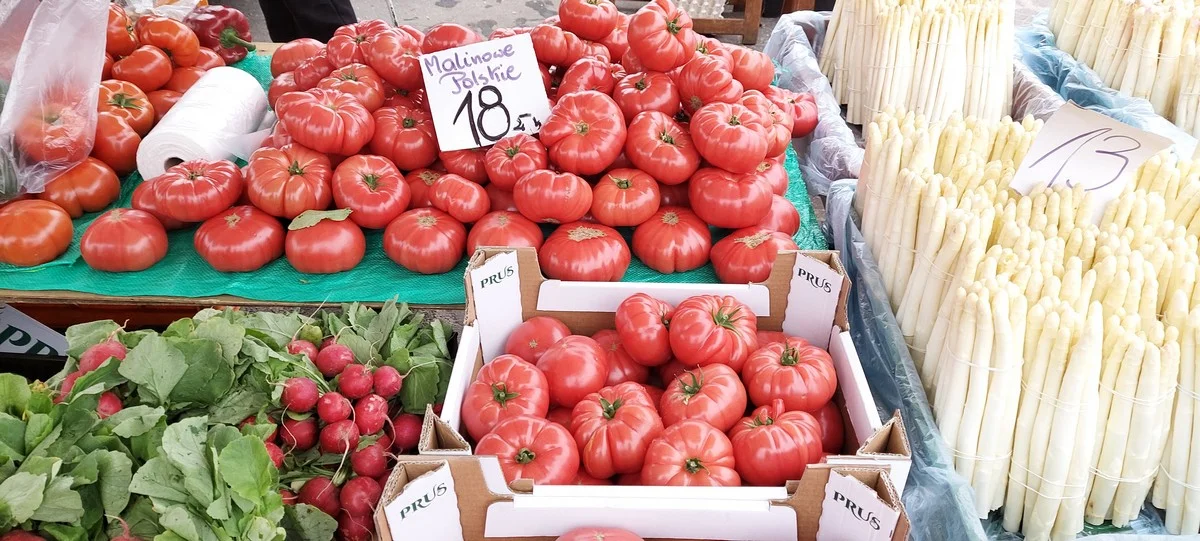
(480,93)
(1081,147)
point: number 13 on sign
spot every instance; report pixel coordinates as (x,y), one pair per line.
(1081,147)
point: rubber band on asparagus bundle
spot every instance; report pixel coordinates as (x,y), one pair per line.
(1054,401)
(980,458)
(1188,393)
(1154,402)
(1177,481)
(988,368)
(1128,480)
(1081,489)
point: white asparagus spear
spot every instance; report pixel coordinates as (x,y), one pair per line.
(1034,385)
(1119,393)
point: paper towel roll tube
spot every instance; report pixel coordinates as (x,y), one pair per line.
(219,118)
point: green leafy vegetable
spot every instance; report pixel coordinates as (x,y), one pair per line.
(156,366)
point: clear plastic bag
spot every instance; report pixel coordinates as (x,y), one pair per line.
(49,119)
(175,9)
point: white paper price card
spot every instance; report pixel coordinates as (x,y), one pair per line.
(483,92)
(812,301)
(20,333)
(427,509)
(496,292)
(853,511)
(1082,147)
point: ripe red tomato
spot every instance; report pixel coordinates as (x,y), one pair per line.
(284,83)
(312,69)
(372,188)
(501,199)
(587,74)
(554,46)
(506,387)
(468,163)
(709,329)
(326,121)
(54,132)
(348,43)
(588,19)
(123,240)
(184,78)
(613,427)
(773,445)
(646,91)
(197,190)
(287,181)
(116,143)
(691,453)
(147,67)
(419,182)
(33,232)
(106,70)
(448,36)
(90,186)
(549,197)
(241,239)
(144,199)
(208,59)
(729,136)
(624,197)
(777,124)
(675,196)
(532,448)
(713,48)
(427,241)
(621,367)
(533,337)
(123,99)
(753,69)
(748,255)
(783,217)
(393,54)
(832,427)
(772,174)
(711,393)
(584,133)
(575,366)
(464,200)
(162,101)
(727,200)
(512,158)
(359,81)
(770,337)
(324,242)
(599,534)
(504,228)
(562,416)
(405,135)
(661,35)
(120,40)
(641,322)
(672,240)
(662,148)
(801,106)
(796,372)
(173,37)
(585,251)
(704,80)
(290,55)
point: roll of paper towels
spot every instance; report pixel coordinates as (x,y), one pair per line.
(219,118)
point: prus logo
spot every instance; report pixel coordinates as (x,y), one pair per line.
(425,501)
(498,277)
(861,514)
(816,281)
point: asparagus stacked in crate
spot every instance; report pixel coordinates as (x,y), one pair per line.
(1050,347)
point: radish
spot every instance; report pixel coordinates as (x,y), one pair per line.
(67,384)
(95,356)
(351,528)
(339,437)
(370,413)
(275,453)
(332,359)
(299,435)
(303,347)
(320,492)
(355,381)
(299,394)
(388,381)
(109,404)
(333,407)
(21,535)
(125,535)
(406,429)
(360,495)
(289,497)
(253,420)
(370,461)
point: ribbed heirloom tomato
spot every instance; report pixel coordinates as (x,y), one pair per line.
(162,101)
(589,19)
(145,199)
(584,133)
(796,372)
(713,48)
(208,59)
(662,148)
(533,337)
(290,55)
(462,199)
(512,158)
(549,197)
(753,69)
(147,67)
(646,91)
(674,239)
(312,69)
(183,78)
(419,182)
(554,46)
(691,453)
(704,80)
(123,240)
(506,387)
(777,125)
(359,81)
(467,163)
(723,199)
(324,242)
(281,85)
(504,228)
(405,135)
(641,322)
(773,445)
(771,173)
(348,43)
(173,37)
(585,251)
(127,101)
(621,367)
(711,393)
(624,197)
(373,188)
(196,190)
(708,329)
(287,181)
(613,428)
(427,241)
(116,143)
(393,54)
(88,187)
(240,239)
(448,36)
(33,232)
(575,367)
(119,37)
(53,132)
(599,534)
(832,430)
(588,74)
(532,448)
(747,255)
(661,36)
(326,121)
(729,136)
(802,107)
(501,199)
(783,216)
(617,41)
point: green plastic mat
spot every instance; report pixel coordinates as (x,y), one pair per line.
(182,273)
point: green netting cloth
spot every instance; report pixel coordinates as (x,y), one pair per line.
(182,273)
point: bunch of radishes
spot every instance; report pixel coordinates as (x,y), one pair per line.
(91,359)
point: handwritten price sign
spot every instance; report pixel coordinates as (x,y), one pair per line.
(1078,146)
(483,92)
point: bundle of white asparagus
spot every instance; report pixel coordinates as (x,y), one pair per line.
(1050,348)
(936,57)
(1141,48)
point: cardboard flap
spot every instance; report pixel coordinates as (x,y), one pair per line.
(854,509)
(438,438)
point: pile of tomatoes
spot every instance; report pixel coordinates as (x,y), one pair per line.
(559,408)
